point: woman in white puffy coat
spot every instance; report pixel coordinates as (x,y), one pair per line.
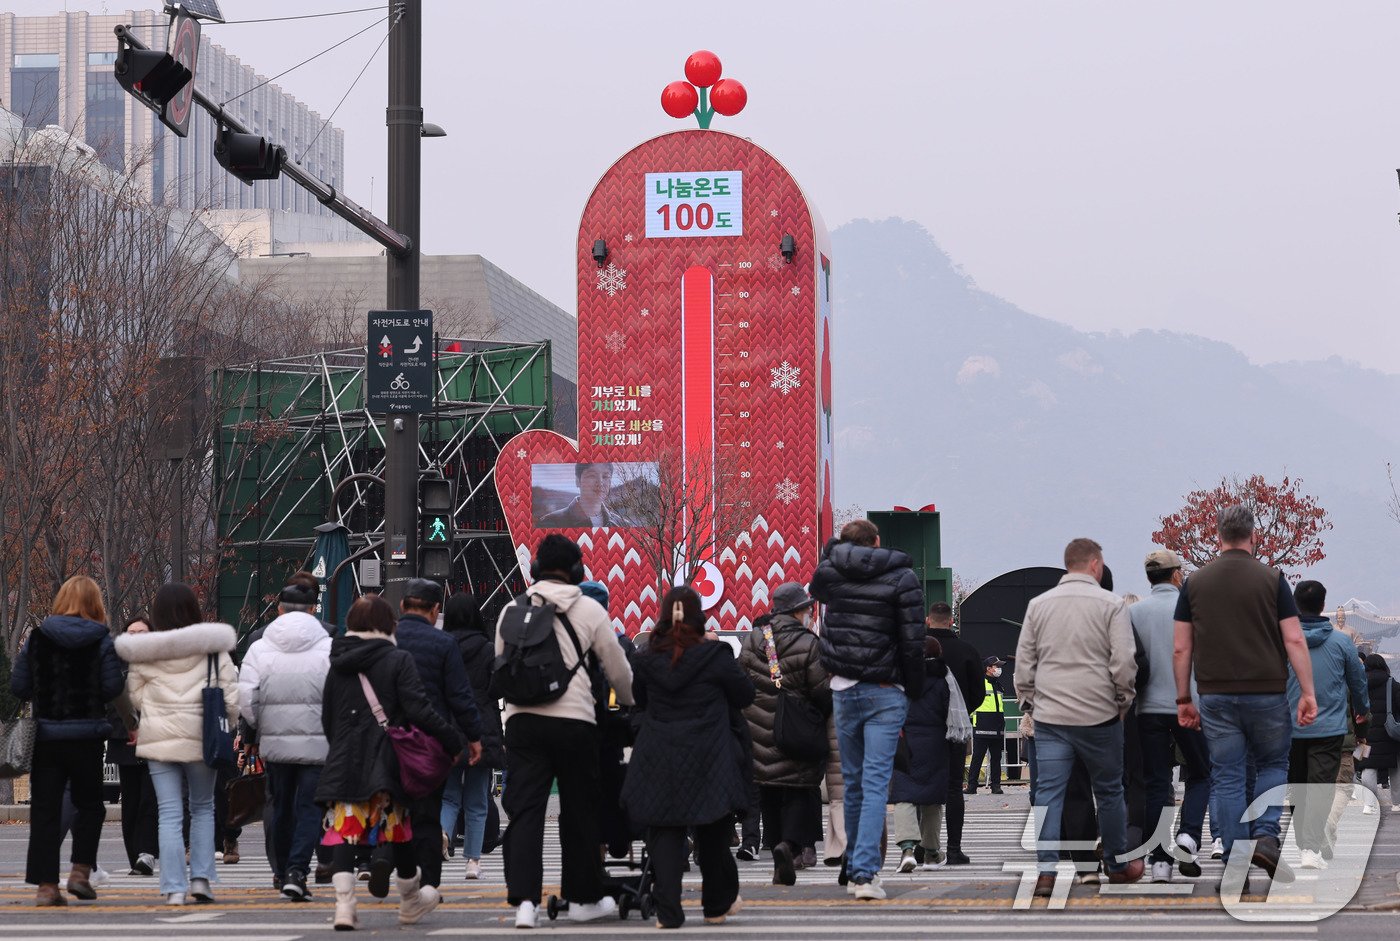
(170,666)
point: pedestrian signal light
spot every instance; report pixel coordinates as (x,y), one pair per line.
(436,538)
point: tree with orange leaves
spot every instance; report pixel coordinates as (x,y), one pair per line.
(1288,524)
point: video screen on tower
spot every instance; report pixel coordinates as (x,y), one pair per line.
(620,495)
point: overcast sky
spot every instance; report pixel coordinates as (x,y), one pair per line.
(1226,169)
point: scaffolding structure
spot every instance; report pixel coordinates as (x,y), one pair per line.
(293,429)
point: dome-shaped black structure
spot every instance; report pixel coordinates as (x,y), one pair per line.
(990,618)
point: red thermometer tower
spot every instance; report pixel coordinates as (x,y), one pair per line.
(704,322)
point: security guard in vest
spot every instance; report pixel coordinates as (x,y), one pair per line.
(988,731)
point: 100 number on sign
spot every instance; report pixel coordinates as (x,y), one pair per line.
(695,205)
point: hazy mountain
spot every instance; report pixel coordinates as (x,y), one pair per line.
(1026,432)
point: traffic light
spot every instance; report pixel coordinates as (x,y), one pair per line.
(153,77)
(162,80)
(248,156)
(437,527)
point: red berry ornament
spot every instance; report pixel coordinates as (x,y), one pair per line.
(702,68)
(679,99)
(728,97)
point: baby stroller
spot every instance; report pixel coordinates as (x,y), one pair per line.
(626,880)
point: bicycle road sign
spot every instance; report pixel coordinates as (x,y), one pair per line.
(399,361)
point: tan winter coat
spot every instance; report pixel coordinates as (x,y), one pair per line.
(166,682)
(595,635)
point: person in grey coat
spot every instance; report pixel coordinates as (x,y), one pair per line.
(280,687)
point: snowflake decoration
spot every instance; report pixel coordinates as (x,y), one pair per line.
(520,454)
(646,312)
(780,445)
(773,213)
(612,279)
(786,491)
(775,261)
(615,342)
(806,530)
(796,290)
(785,377)
(515,499)
(627,237)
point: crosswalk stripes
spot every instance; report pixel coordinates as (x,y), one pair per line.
(996,842)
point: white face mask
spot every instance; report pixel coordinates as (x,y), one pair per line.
(996,671)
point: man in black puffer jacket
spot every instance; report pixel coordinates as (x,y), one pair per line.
(872,644)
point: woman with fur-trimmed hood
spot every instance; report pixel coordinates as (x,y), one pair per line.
(170,666)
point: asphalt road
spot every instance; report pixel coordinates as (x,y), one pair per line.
(975,902)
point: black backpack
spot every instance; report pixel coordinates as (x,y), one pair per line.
(530,671)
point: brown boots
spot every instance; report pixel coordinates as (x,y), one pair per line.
(48,896)
(79,885)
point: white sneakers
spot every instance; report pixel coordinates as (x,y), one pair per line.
(870,891)
(907,863)
(473,869)
(1217,849)
(527,915)
(1162,872)
(605,906)
(175,898)
(199,888)
(1312,860)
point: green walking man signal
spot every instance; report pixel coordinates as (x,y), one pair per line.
(436,501)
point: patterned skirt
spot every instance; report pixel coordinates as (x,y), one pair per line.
(381,820)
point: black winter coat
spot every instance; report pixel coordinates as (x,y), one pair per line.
(478,653)
(925,733)
(70,670)
(1385,751)
(442,673)
(873,630)
(688,765)
(361,761)
(965,666)
(799,664)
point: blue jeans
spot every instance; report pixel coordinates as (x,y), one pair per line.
(868,719)
(295,819)
(169,780)
(1161,736)
(1100,747)
(468,789)
(1250,728)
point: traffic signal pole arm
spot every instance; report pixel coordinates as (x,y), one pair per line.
(349,210)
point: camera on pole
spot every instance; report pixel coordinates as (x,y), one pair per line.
(248,156)
(437,527)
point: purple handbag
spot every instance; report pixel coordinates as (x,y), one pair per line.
(423,762)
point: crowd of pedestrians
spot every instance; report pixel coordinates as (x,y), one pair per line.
(382,745)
